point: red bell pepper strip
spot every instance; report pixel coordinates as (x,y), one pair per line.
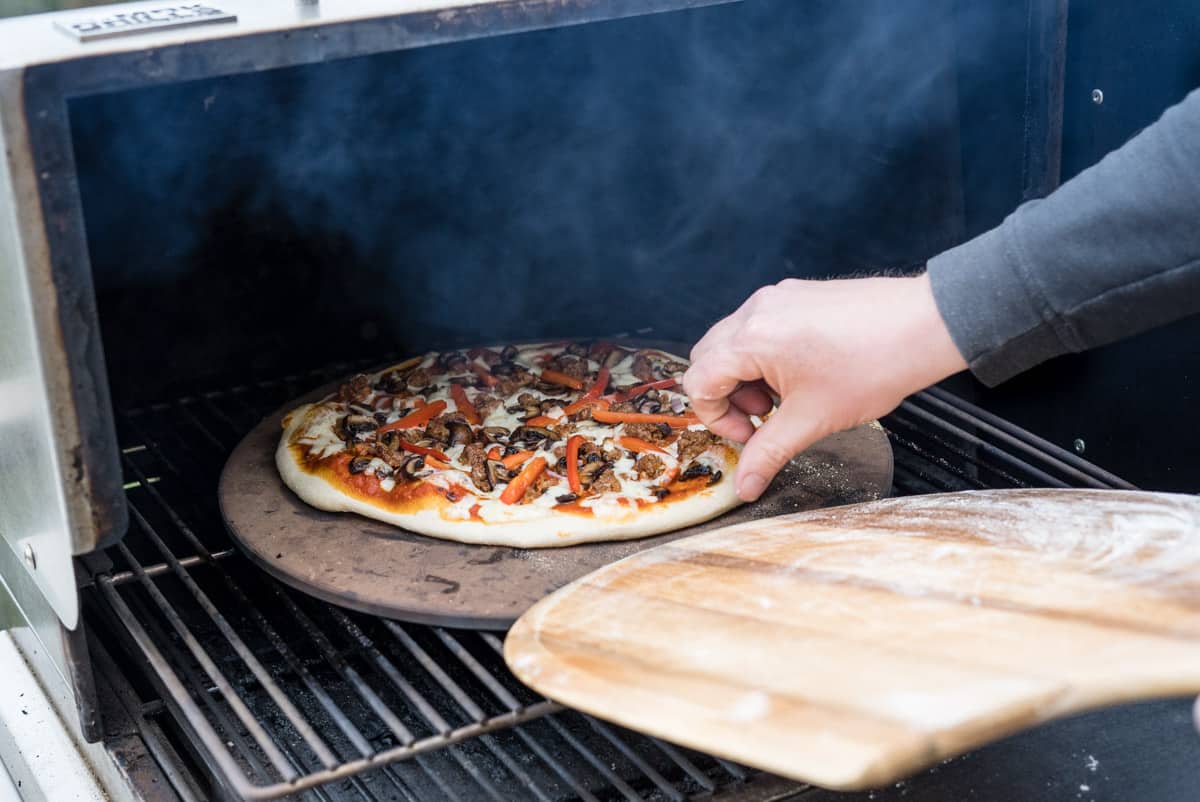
(416,418)
(485,374)
(464,404)
(598,387)
(583,403)
(434,462)
(521,482)
(495,452)
(675,421)
(573,444)
(634,392)
(639,446)
(558,377)
(514,461)
(541,420)
(424,452)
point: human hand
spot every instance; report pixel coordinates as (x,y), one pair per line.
(834,353)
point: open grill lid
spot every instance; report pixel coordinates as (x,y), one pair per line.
(50,351)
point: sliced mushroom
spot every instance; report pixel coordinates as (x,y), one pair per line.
(460,433)
(383,471)
(509,353)
(533,434)
(359,464)
(592,470)
(354,426)
(614,357)
(503,369)
(414,468)
(496,472)
(495,434)
(548,388)
(648,405)
(577,349)
(394,381)
(453,361)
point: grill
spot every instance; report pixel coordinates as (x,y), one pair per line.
(269,693)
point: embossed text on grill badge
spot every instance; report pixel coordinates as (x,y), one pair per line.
(152,19)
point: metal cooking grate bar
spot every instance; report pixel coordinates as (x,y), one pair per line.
(473,710)
(568,777)
(248,719)
(633,757)
(331,709)
(909,483)
(175,688)
(121,577)
(277,642)
(985,448)
(1028,442)
(593,760)
(389,670)
(688,766)
(295,718)
(285,764)
(294,663)
(347,672)
(672,752)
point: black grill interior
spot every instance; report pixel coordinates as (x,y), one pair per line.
(298,691)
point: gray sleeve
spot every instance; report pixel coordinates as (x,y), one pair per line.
(1112,252)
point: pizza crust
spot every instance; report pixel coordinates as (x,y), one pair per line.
(545,531)
(516,526)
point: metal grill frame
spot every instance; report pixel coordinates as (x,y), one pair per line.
(942,443)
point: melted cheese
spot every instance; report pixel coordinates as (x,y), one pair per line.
(321,437)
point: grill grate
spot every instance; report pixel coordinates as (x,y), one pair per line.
(289,695)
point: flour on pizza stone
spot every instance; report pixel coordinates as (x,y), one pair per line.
(377,449)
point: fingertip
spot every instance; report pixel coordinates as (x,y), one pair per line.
(752,399)
(733,425)
(750,486)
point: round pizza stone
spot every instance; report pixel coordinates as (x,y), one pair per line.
(380,569)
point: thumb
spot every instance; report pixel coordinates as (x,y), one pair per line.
(784,435)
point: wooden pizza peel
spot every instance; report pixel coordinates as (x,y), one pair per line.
(852,647)
(381,569)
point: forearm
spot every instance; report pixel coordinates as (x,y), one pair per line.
(1112,252)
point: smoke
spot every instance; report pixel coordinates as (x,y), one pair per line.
(607,177)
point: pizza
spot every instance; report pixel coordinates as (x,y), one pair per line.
(533,445)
